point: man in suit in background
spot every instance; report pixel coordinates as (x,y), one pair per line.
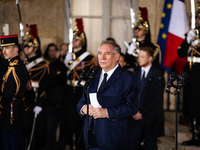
(117,101)
(149,121)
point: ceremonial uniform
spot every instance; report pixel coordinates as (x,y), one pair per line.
(12,104)
(75,62)
(3,68)
(191,95)
(132,60)
(143,39)
(191,100)
(38,72)
(74,93)
(13,88)
(13,108)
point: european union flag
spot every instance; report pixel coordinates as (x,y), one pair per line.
(162,38)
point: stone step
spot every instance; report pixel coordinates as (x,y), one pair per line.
(170,129)
(168,143)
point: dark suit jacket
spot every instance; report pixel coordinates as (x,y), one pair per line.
(152,97)
(119,97)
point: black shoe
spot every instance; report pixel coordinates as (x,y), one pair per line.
(198,143)
(190,142)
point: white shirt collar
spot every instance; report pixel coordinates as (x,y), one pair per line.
(146,69)
(109,72)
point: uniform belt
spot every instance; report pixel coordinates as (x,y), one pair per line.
(74,83)
(195,59)
(17,98)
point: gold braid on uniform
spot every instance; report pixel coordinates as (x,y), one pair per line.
(0,103)
(90,63)
(157,52)
(11,69)
(191,60)
(43,67)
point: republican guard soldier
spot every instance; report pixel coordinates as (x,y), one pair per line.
(190,47)
(38,71)
(142,35)
(75,63)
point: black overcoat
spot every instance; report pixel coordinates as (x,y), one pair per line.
(152,106)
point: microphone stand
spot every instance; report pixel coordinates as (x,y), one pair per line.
(87,84)
(176,93)
(87,116)
(176,122)
(87,119)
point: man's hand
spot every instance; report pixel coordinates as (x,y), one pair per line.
(137,116)
(99,113)
(95,112)
(84,109)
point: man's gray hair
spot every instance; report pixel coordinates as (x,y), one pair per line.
(117,48)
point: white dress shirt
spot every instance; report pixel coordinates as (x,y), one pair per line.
(109,75)
(146,69)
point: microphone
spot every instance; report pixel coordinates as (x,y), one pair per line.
(83,74)
(170,81)
(181,82)
(95,70)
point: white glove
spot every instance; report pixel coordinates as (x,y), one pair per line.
(68,57)
(195,42)
(132,48)
(191,35)
(37,110)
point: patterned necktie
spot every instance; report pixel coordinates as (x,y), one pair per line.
(103,82)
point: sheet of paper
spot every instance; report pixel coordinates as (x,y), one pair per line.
(93,100)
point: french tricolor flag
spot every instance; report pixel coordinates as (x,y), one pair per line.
(173,27)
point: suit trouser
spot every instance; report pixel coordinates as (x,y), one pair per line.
(15,138)
(137,132)
(54,115)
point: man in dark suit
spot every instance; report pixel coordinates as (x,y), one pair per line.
(115,102)
(149,121)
